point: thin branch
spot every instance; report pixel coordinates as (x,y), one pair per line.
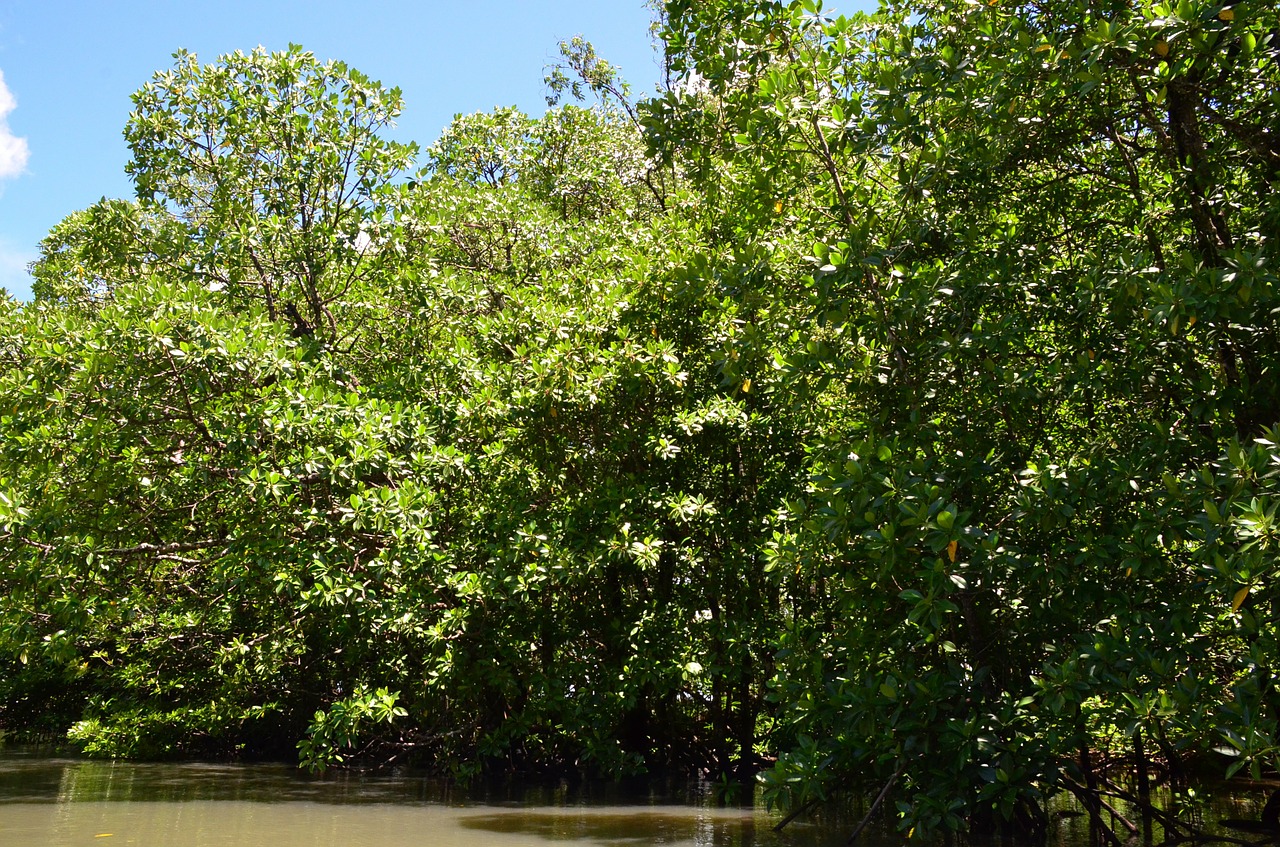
(875,806)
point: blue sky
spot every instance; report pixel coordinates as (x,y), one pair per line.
(68,69)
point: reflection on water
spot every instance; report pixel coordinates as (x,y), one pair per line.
(48,802)
(35,780)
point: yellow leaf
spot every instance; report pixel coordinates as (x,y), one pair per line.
(1162,48)
(1227,15)
(1044,47)
(1191,321)
(777,207)
(951,549)
(1238,600)
(746,386)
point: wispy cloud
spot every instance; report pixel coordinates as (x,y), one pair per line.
(13,150)
(13,269)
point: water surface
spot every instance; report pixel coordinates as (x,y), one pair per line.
(62,802)
(52,802)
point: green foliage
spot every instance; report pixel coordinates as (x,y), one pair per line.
(489,515)
(892,395)
(275,162)
(488,147)
(341,725)
(581,70)
(1043,309)
(112,242)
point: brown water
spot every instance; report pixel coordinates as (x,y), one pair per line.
(51,802)
(63,802)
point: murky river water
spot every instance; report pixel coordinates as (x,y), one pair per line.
(51,802)
(63,802)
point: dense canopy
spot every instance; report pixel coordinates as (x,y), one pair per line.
(887,401)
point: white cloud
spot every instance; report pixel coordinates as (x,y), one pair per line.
(13,269)
(13,150)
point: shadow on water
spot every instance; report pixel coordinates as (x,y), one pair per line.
(625,827)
